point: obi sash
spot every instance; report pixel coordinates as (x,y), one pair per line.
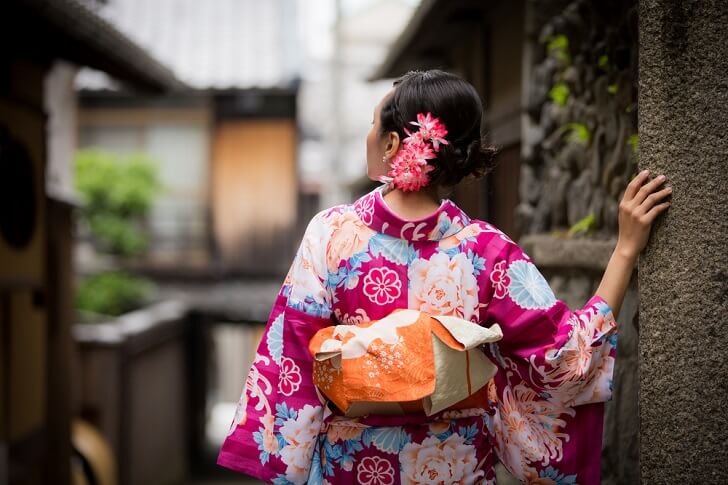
(406,362)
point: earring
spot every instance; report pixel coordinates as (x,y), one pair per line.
(384,159)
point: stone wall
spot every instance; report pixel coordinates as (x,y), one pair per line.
(683,272)
(579,151)
(580,136)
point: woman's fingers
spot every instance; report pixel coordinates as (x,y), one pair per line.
(649,217)
(652,199)
(635,185)
(647,189)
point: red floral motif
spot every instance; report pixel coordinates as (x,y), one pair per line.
(382,285)
(500,280)
(290,377)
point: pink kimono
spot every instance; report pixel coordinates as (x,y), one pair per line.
(542,417)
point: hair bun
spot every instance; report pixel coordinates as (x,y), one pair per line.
(455,162)
(480,158)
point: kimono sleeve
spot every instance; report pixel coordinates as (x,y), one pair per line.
(279,415)
(555,372)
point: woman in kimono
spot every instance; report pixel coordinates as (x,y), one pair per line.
(401,247)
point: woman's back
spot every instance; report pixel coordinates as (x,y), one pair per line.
(541,414)
(377,262)
(359,262)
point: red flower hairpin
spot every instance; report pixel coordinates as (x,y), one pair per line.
(409,167)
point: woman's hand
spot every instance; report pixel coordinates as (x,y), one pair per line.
(637,211)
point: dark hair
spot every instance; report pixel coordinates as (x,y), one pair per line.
(458,105)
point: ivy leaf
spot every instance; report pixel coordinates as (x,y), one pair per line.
(603,62)
(577,133)
(582,225)
(558,46)
(559,94)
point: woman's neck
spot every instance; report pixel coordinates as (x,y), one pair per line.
(412,205)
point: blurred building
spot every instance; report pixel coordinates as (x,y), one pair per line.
(227,145)
(38,39)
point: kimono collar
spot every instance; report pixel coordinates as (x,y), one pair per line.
(447,220)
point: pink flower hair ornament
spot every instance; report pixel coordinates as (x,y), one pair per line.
(409,166)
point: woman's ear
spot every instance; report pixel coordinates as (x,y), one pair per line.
(392,146)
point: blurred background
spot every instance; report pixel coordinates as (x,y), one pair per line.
(160,159)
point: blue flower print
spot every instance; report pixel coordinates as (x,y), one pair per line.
(478,262)
(528,288)
(557,477)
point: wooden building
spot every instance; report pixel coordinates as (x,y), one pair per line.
(36,119)
(227,146)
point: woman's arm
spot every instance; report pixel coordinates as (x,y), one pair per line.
(637,211)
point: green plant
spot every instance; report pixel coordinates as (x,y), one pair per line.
(603,62)
(612,88)
(576,133)
(117,194)
(583,225)
(112,293)
(559,93)
(558,46)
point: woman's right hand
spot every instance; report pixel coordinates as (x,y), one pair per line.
(637,210)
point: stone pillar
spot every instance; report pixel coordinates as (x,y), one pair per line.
(683,272)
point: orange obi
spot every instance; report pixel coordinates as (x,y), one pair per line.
(407,362)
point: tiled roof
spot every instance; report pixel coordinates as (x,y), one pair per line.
(212,44)
(69,29)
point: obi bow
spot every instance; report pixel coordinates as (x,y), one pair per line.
(406,362)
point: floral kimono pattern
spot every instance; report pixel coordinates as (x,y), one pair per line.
(541,415)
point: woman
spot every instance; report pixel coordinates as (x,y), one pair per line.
(398,247)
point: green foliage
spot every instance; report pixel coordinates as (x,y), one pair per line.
(577,133)
(118,234)
(603,62)
(112,293)
(612,88)
(558,46)
(117,194)
(583,225)
(559,94)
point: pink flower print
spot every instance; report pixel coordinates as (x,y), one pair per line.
(431,129)
(289,378)
(382,285)
(500,280)
(373,470)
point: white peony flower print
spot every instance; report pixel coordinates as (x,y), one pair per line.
(444,286)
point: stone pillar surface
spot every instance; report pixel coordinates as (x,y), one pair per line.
(683,272)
